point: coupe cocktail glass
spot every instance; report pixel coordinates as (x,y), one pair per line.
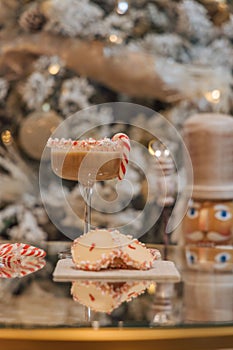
(88,161)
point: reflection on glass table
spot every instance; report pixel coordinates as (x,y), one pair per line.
(20,268)
(201,298)
(106,296)
(19,260)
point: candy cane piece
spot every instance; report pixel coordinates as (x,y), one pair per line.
(12,269)
(125,155)
(7,249)
(30,266)
(29,250)
(14,251)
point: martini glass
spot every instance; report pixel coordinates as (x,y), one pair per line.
(88,161)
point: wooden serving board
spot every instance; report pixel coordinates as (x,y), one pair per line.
(162,271)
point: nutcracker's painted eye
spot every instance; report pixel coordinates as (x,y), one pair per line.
(222,258)
(192,213)
(223,215)
(191,258)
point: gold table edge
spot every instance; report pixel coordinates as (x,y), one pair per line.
(116,334)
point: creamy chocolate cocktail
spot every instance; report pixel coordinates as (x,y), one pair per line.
(86,161)
(98,165)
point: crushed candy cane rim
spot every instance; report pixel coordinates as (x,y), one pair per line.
(91,144)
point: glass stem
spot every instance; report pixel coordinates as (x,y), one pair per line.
(87,192)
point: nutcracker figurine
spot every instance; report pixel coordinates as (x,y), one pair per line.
(207,228)
(209,219)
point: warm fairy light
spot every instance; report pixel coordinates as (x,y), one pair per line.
(122,7)
(158,153)
(113,38)
(167,152)
(46,107)
(216,94)
(6,137)
(151,289)
(54,68)
(213,96)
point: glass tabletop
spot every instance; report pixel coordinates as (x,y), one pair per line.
(34,300)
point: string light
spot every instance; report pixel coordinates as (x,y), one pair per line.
(166,152)
(46,107)
(6,137)
(213,96)
(158,153)
(113,38)
(122,7)
(151,289)
(54,68)
(157,149)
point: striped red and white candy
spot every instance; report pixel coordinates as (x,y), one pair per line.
(29,250)
(6,272)
(7,267)
(13,269)
(28,266)
(15,251)
(125,155)
(7,249)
